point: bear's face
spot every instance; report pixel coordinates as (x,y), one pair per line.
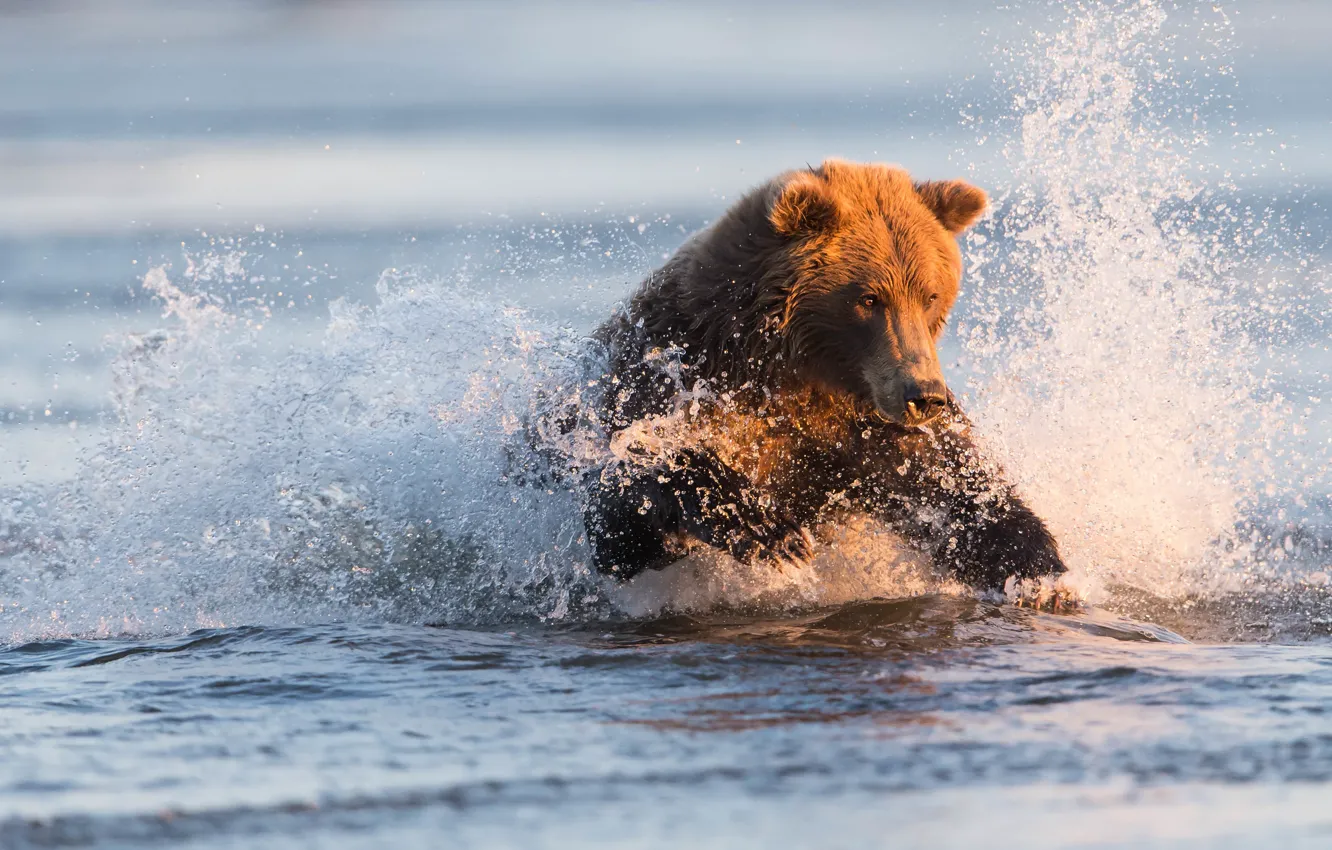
(873,268)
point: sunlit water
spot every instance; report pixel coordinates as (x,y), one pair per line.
(292,594)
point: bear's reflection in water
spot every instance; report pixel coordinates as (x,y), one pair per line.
(886,667)
(927,623)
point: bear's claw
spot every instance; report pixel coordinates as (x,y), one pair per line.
(775,537)
(758,532)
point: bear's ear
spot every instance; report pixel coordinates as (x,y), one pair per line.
(956,204)
(804,205)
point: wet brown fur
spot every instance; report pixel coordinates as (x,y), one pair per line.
(795,313)
(758,291)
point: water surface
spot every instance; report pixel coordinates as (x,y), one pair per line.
(931,721)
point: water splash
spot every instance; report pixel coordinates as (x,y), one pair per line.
(1112,337)
(384,475)
(372,476)
(243,486)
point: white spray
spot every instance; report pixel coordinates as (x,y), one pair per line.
(1111,363)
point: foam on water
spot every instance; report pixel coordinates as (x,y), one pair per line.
(1107,334)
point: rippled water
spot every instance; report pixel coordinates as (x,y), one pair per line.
(266,578)
(926,722)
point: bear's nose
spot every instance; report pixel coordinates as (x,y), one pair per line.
(924,402)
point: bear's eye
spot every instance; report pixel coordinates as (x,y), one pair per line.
(869,302)
(933,297)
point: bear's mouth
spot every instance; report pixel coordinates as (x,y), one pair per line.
(898,405)
(887,413)
(900,425)
(896,423)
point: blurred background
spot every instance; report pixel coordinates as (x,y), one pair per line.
(291,152)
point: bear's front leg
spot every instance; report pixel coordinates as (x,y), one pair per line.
(636,519)
(983,545)
(942,493)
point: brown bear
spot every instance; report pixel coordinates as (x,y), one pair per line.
(779,372)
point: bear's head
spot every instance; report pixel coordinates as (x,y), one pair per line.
(872,268)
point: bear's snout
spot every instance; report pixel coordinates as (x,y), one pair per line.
(907,400)
(923,401)
(910,393)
